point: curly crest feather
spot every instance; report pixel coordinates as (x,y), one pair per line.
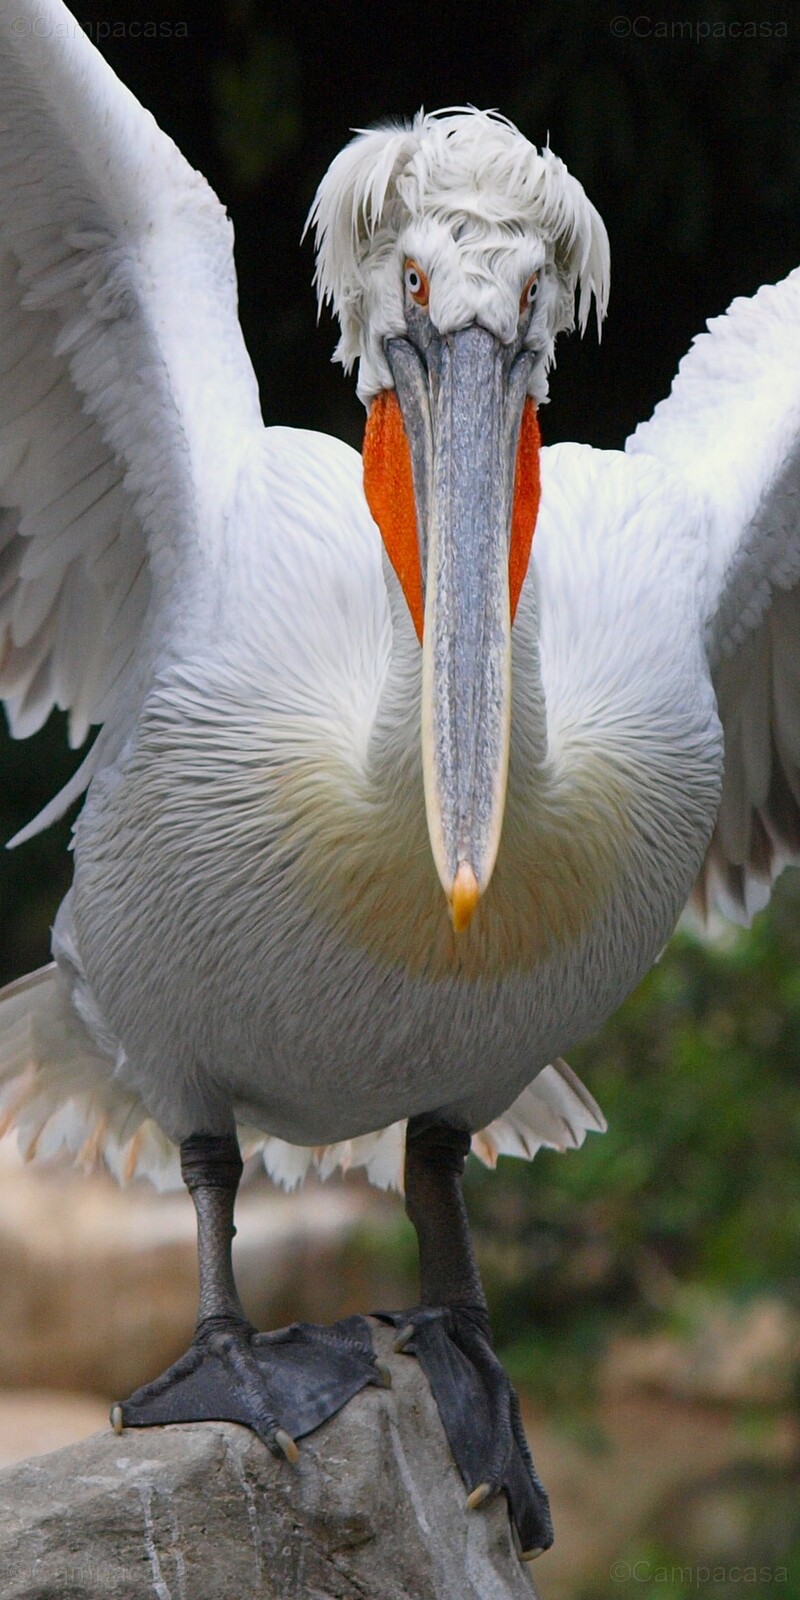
(476,176)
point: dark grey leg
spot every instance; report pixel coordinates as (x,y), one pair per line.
(211,1168)
(282,1385)
(450,1334)
(448,1271)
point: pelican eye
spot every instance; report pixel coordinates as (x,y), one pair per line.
(528,295)
(416,283)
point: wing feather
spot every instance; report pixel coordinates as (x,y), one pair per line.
(127,400)
(730,429)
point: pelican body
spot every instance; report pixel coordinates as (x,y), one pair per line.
(297,947)
(407,764)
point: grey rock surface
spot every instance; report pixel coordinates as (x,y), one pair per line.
(375,1510)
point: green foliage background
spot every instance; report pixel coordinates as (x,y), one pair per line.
(691,150)
(696,1180)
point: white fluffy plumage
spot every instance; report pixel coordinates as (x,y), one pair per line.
(256,930)
(464,192)
(730,431)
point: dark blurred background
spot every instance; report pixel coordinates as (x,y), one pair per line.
(679,1232)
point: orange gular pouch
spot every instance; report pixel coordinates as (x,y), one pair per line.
(527,494)
(389,488)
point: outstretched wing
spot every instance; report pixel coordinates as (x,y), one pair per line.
(731,430)
(126,394)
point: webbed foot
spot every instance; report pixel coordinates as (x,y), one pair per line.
(480,1413)
(282,1385)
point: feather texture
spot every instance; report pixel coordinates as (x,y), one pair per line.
(126,403)
(462,176)
(730,431)
(57,1088)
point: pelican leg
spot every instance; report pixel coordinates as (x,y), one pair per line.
(282,1384)
(450,1334)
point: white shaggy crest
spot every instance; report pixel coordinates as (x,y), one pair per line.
(474,173)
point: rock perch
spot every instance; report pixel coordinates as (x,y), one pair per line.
(375,1508)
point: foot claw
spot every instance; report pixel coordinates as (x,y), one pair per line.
(384,1372)
(478,1495)
(480,1413)
(286,1443)
(404,1337)
(115,1417)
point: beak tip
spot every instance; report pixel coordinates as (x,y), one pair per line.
(464,897)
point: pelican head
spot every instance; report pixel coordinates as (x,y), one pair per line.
(451,251)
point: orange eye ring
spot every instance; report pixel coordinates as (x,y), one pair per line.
(416,283)
(528,295)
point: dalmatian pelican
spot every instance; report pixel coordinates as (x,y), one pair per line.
(391,802)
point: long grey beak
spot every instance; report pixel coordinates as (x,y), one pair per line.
(462,404)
